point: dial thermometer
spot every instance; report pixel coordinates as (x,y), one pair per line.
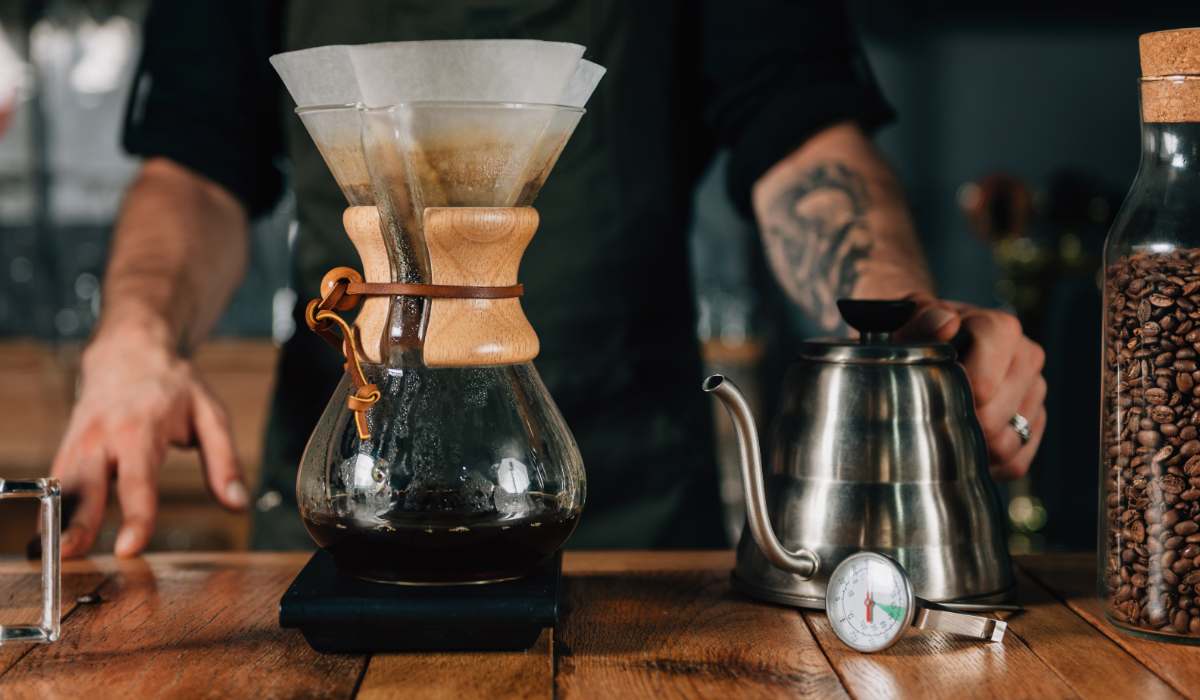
(870,604)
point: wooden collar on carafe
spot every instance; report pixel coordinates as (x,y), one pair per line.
(474,316)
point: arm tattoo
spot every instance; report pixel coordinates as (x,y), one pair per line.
(816,236)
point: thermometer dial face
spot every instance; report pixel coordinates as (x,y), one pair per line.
(869,601)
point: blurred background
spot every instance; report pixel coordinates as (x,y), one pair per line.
(1017,138)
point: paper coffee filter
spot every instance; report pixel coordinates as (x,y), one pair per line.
(582,84)
(492,70)
(336,132)
(456,155)
(320,76)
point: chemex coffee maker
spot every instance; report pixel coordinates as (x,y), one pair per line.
(876,448)
(441,480)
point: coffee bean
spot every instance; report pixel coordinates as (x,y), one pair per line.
(1162,414)
(1144,310)
(1172,483)
(1150,440)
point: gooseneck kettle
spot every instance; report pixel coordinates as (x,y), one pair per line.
(876,447)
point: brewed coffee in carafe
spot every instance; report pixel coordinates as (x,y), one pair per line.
(441,457)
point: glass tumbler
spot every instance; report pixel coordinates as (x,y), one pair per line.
(49,493)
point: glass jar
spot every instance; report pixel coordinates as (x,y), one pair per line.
(1149,540)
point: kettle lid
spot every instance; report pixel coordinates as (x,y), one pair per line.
(876,320)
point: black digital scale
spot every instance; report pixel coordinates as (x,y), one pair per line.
(338,613)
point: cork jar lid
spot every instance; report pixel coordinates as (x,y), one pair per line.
(1170,82)
(1170,52)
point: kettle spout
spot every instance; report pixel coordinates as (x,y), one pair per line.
(804,563)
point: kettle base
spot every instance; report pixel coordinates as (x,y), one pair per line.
(1003,597)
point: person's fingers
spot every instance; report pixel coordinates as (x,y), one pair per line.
(934,320)
(137,489)
(1023,377)
(1016,467)
(84,476)
(994,339)
(1004,445)
(217,450)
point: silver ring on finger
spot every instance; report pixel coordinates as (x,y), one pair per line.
(1020,424)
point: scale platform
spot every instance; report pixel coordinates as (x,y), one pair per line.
(337,613)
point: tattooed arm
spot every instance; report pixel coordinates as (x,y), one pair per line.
(835,224)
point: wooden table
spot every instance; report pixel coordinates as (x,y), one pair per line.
(641,624)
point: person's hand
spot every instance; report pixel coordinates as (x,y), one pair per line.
(1005,369)
(135,399)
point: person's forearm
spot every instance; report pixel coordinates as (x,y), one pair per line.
(835,224)
(179,250)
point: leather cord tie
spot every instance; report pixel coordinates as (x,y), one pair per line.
(341,290)
(435,291)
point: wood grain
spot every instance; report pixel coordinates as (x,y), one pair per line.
(637,560)
(366,232)
(674,634)
(527,675)
(636,624)
(1090,663)
(478,246)
(938,665)
(1072,578)
(21,598)
(185,626)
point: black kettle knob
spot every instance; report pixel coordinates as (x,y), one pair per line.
(876,319)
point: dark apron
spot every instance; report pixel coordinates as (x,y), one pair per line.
(606,277)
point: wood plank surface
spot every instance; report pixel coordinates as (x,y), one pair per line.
(1072,578)
(636,624)
(21,597)
(1087,661)
(938,665)
(191,626)
(525,675)
(680,633)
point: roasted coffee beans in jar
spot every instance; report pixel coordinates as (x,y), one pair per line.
(1151,432)
(1149,559)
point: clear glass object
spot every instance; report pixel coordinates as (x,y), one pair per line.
(470,474)
(48,492)
(1149,531)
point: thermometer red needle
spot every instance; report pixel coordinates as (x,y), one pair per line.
(870,606)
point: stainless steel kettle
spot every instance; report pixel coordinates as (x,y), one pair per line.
(876,447)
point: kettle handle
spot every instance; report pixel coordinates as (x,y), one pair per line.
(802,562)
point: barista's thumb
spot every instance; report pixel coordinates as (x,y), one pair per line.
(933,321)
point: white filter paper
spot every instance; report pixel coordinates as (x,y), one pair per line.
(460,71)
(582,84)
(396,73)
(320,76)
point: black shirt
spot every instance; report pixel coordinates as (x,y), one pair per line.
(607,282)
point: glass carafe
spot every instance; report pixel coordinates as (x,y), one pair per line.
(1149,563)
(468,472)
